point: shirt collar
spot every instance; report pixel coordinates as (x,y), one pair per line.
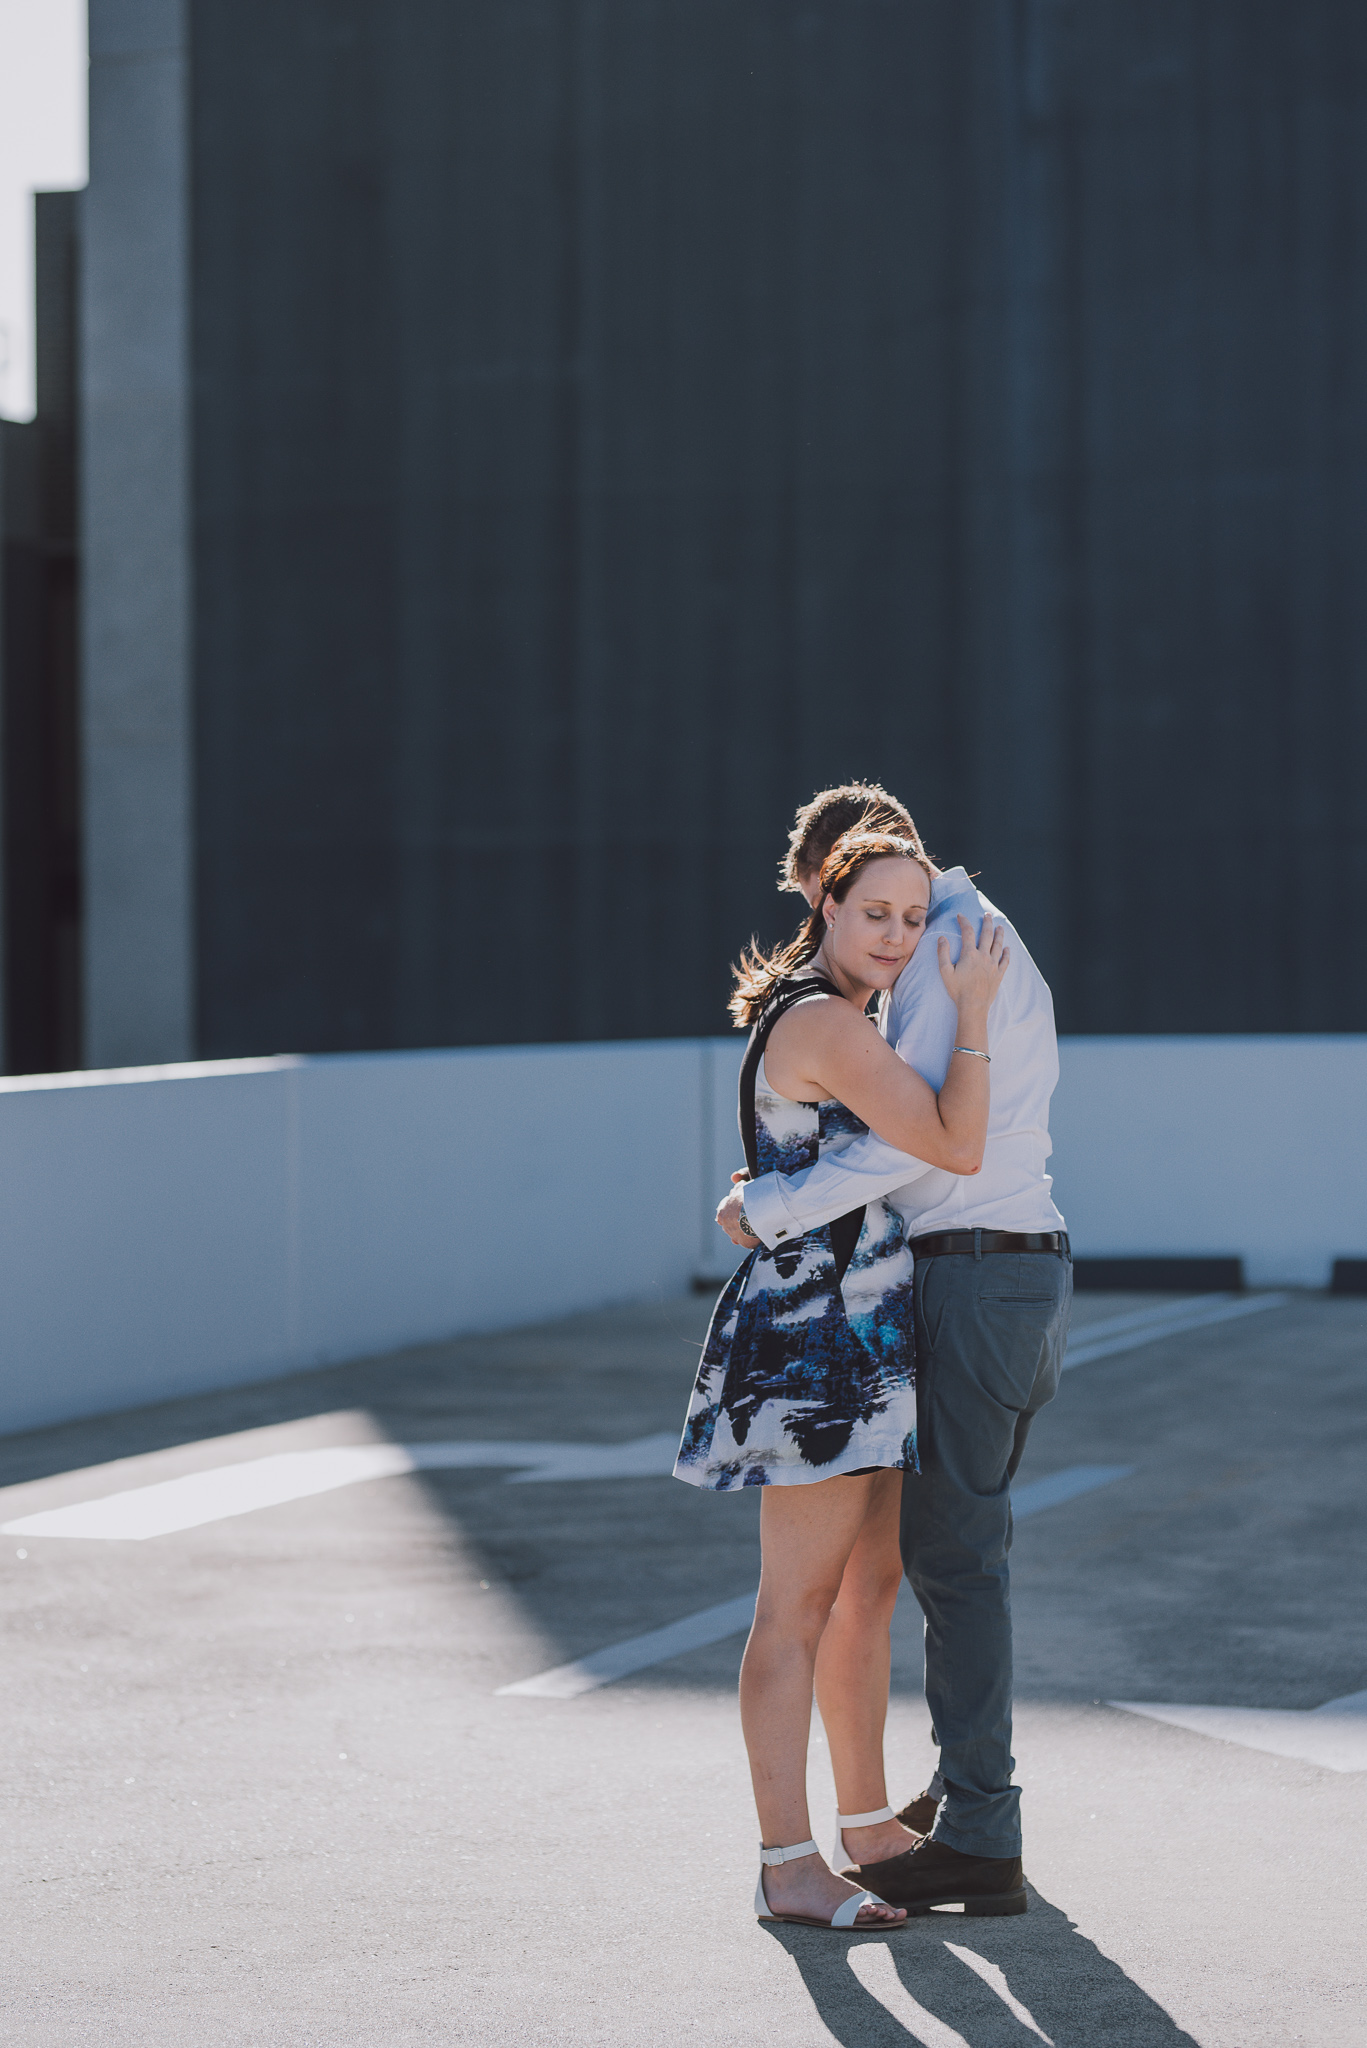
(948,892)
(953,882)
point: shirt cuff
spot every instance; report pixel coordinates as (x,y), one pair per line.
(767,1211)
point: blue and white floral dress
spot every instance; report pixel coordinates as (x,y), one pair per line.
(808,1371)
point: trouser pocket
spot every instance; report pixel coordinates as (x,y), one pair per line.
(990,1346)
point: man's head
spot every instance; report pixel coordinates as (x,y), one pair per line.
(830,814)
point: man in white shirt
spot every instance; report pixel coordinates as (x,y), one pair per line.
(993,1294)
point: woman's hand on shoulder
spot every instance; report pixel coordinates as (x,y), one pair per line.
(976,975)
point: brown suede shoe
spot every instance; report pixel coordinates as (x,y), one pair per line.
(933,1874)
(919,1813)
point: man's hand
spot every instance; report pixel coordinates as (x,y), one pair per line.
(728,1214)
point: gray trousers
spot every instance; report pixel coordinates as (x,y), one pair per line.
(990,1334)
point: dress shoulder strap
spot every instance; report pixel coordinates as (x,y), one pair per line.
(785,996)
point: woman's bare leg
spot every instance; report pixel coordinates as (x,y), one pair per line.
(807,1534)
(853,1664)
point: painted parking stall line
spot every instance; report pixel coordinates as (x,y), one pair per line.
(637,1653)
(189,1502)
(1069,1484)
(1108,1339)
(733,1617)
(1333,1736)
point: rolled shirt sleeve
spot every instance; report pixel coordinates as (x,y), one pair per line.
(787,1205)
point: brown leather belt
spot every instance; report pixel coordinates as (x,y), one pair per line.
(940,1242)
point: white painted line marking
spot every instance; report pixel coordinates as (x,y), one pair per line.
(1333,1736)
(1148,1326)
(646,1457)
(1351,1703)
(201,1497)
(161,1509)
(1152,1317)
(1065,1485)
(188,1503)
(714,1624)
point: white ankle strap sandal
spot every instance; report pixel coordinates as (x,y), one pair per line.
(842,1921)
(855,1820)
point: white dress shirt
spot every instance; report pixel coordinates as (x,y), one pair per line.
(1011,1190)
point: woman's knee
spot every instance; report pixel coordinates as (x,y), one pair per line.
(796,1612)
(870,1594)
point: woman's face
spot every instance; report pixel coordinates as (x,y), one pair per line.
(878,927)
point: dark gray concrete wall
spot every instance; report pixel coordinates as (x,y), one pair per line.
(615,419)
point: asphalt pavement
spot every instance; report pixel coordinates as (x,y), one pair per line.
(263,1786)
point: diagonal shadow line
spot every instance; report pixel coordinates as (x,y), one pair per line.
(1078,1996)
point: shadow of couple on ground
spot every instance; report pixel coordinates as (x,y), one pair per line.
(993,1983)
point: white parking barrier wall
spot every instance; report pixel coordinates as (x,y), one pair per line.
(1251,1146)
(169,1230)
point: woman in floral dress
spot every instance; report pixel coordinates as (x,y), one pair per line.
(807,1381)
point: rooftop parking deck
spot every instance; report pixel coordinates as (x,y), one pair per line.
(264,1786)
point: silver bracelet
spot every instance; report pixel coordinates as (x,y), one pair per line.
(973,1052)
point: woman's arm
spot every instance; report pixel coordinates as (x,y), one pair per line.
(825,1048)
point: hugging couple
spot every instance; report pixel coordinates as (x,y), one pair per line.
(875,1362)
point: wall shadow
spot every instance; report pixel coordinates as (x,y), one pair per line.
(1073,1992)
